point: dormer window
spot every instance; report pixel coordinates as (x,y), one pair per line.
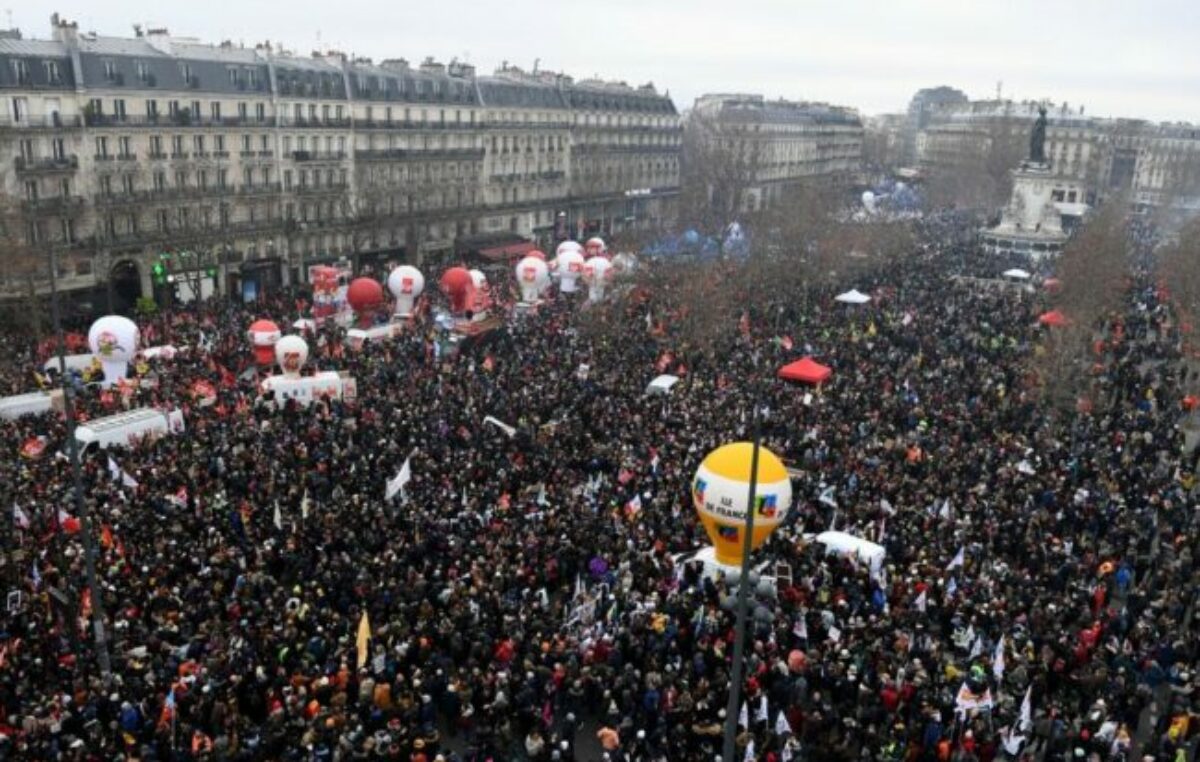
(143,72)
(110,70)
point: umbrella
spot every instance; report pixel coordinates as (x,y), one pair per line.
(853,296)
(1017,273)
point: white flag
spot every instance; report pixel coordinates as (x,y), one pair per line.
(1011,741)
(782,726)
(750,753)
(764,712)
(976,647)
(998,660)
(20,518)
(509,430)
(116,472)
(397,483)
(946,512)
(959,559)
(1026,721)
(952,587)
(922,602)
(835,634)
(541,496)
(826,497)
(278,517)
(304,505)
(743,717)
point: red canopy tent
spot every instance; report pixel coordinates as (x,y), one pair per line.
(1053,318)
(806,370)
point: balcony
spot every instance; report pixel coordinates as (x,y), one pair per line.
(405,154)
(127,157)
(259,190)
(265,154)
(315,190)
(178,119)
(104,157)
(247,154)
(220,154)
(48,122)
(157,156)
(332,123)
(53,205)
(318,155)
(47,164)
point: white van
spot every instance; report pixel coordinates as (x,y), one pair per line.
(307,389)
(845,544)
(73,362)
(33,403)
(127,429)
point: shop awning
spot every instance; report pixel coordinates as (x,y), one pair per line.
(508,251)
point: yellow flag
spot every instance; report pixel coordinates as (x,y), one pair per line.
(364,639)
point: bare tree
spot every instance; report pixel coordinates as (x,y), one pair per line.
(721,163)
(25,264)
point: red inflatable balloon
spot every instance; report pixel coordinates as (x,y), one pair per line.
(364,294)
(458,285)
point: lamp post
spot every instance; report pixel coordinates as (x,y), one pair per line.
(743,600)
(89,542)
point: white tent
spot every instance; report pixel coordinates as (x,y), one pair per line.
(1016,273)
(853,296)
(662,384)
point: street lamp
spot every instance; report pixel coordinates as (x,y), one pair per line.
(89,543)
(743,599)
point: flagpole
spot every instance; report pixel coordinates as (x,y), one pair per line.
(743,599)
(89,540)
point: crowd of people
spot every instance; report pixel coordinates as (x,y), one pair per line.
(522,594)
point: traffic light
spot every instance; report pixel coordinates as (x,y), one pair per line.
(160,273)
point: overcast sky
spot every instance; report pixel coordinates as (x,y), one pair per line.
(1116,57)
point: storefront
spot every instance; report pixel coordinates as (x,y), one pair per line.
(257,278)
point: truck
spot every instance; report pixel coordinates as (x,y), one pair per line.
(129,428)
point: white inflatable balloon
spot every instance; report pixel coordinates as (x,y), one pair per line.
(114,340)
(532,276)
(406,284)
(596,274)
(595,247)
(568,246)
(570,269)
(291,352)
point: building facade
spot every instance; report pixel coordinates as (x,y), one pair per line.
(249,165)
(1093,158)
(753,150)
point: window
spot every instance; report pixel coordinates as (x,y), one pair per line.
(266,175)
(287,144)
(31,190)
(246,143)
(128,184)
(181,179)
(177,145)
(242,111)
(106,185)
(110,70)
(20,71)
(102,147)
(264,143)
(160,181)
(339,113)
(222,178)
(96,106)
(215,109)
(119,108)
(143,72)
(260,112)
(123,147)
(251,79)
(196,109)
(181,216)
(152,109)
(156,145)
(202,179)
(325,113)
(198,144)
(287,180)
(64,187)
(248,177)
(161,220)
(233,77)
(186,71)
(312,112)
(219,143)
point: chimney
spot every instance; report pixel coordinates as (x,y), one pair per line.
(430,66)
(64,31)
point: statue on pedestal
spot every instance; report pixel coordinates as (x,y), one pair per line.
(1037,141)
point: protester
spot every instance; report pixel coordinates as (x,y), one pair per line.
(518,608)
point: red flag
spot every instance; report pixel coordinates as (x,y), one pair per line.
(106,537)
(665,361)
(489,364)
(786,343)
(85,603)
(68,523)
